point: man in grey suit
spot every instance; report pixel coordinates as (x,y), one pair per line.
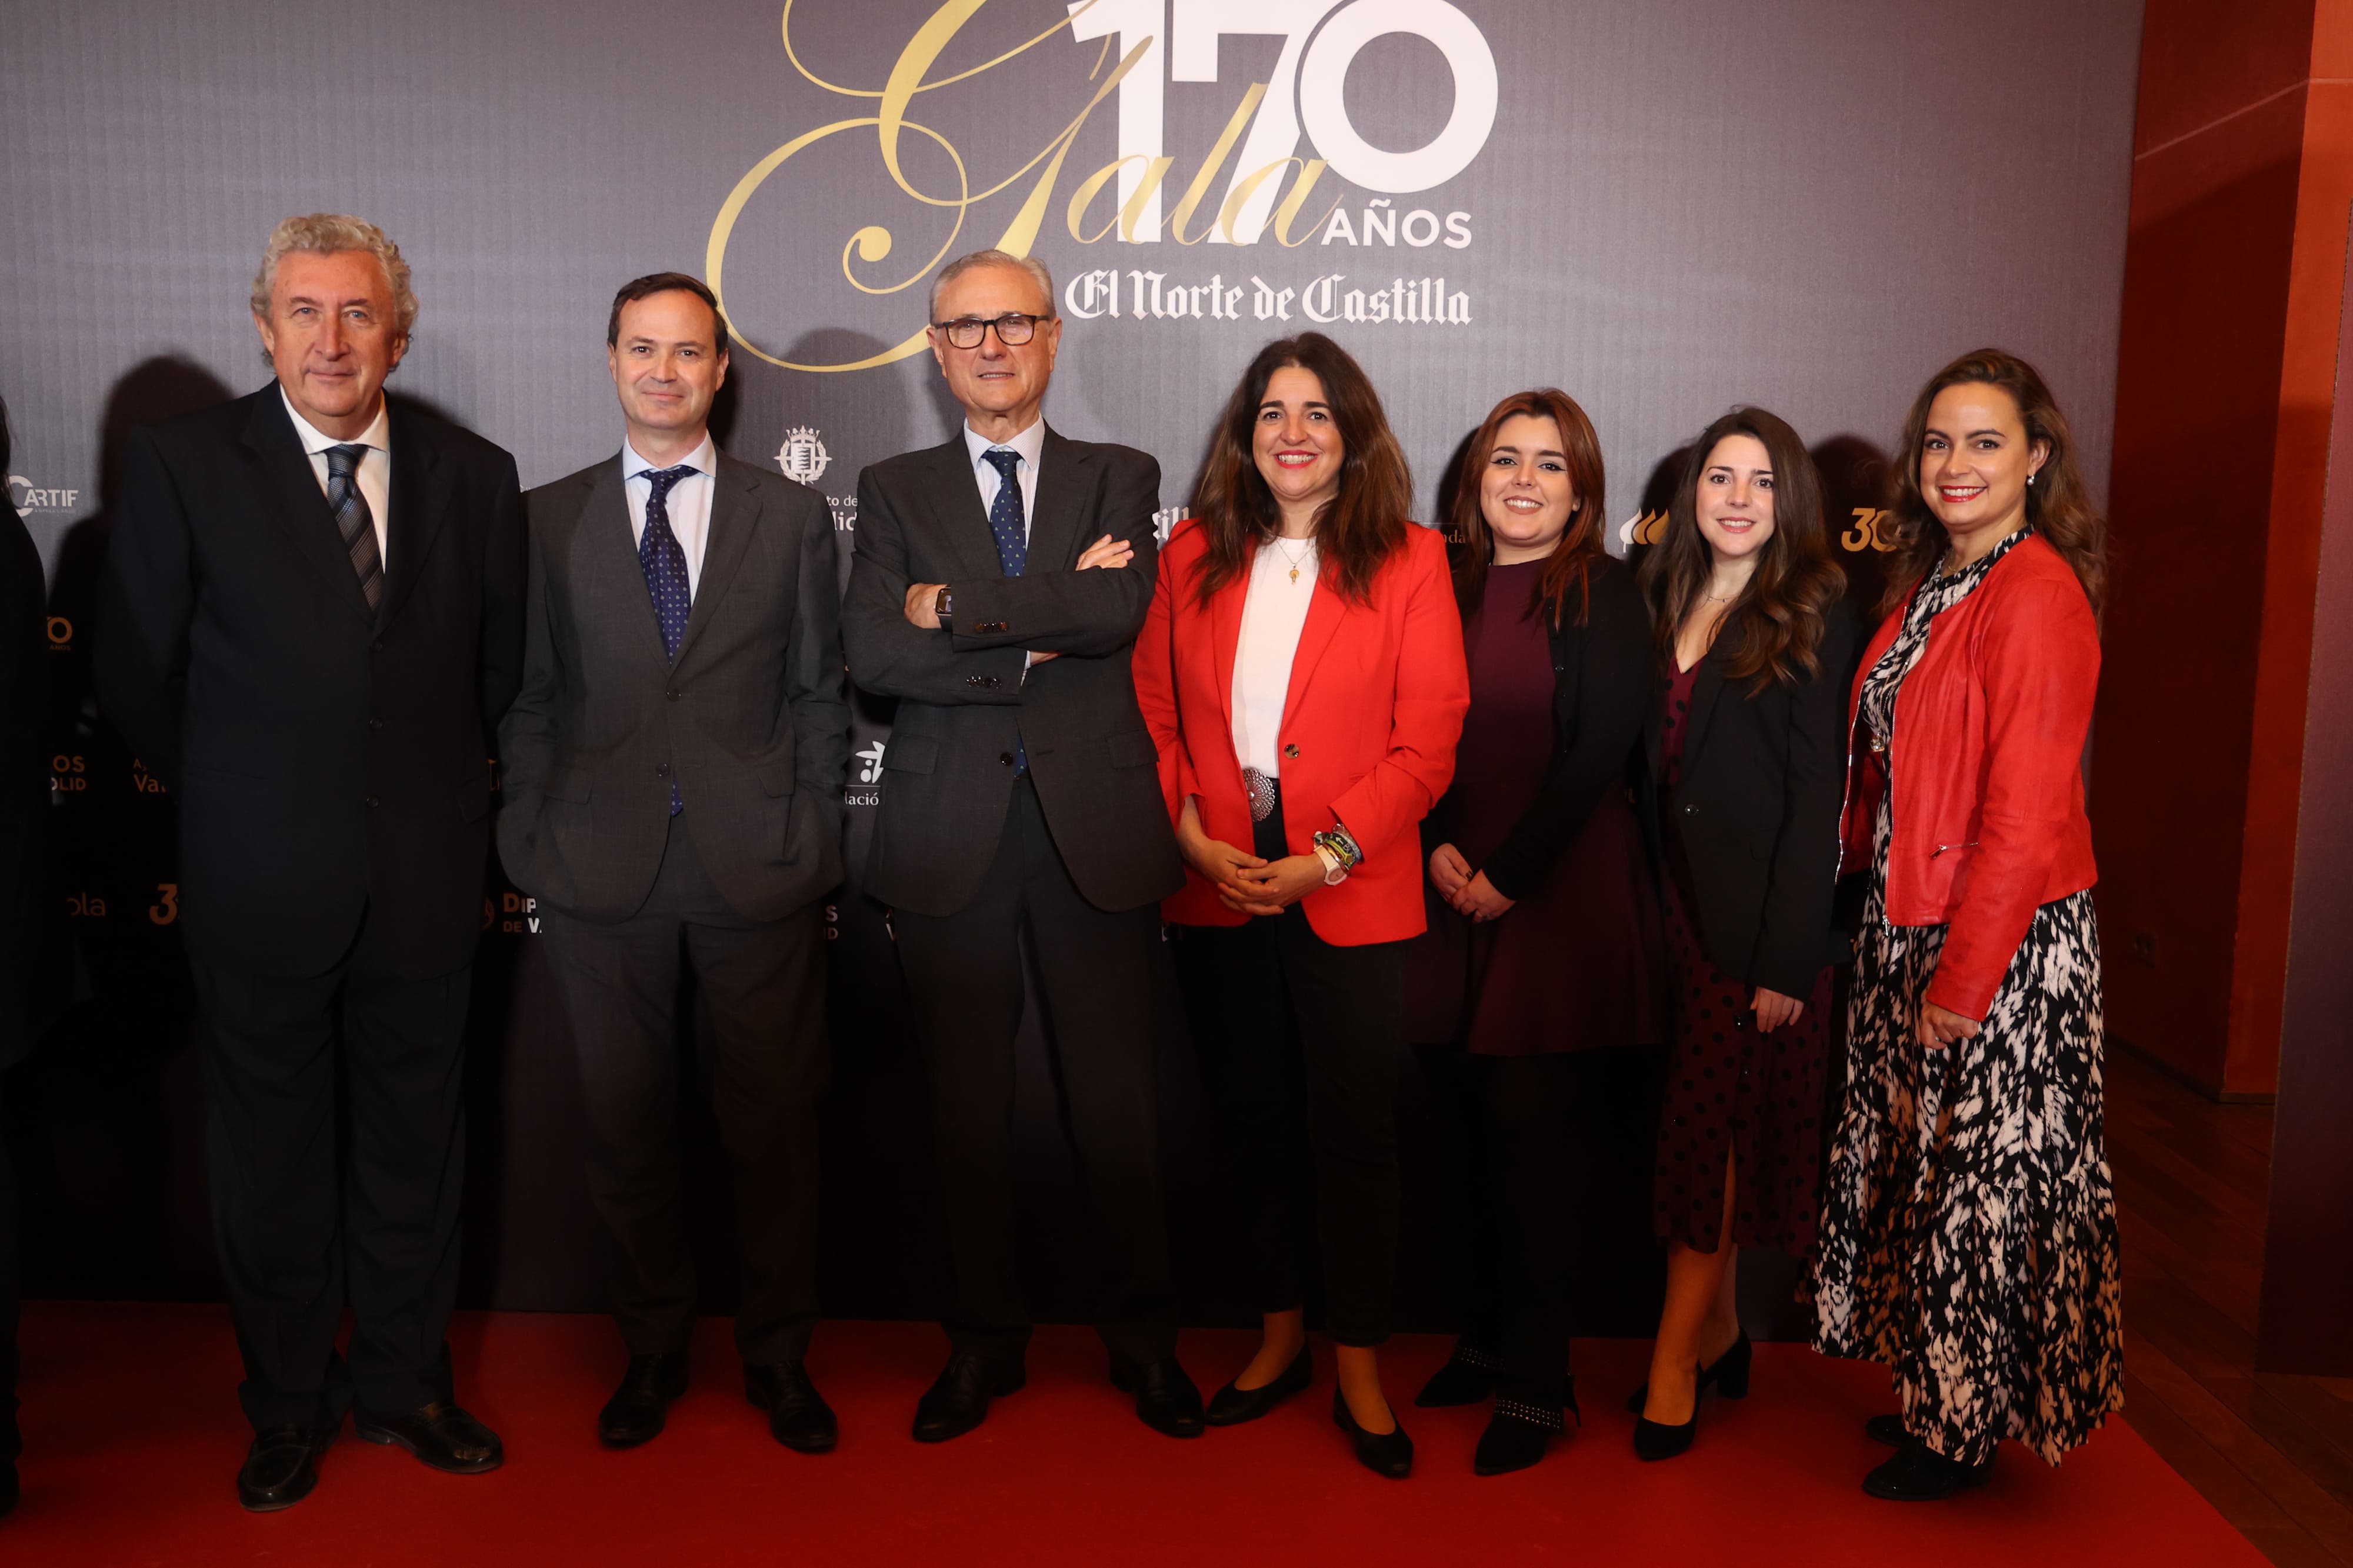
(674,774)
(1000,584)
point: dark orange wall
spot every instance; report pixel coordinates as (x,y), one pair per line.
(2243,175)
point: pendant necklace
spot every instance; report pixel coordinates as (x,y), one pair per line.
(1296,560)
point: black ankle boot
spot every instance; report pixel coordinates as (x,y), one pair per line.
(1521,1429)
(1466,1378)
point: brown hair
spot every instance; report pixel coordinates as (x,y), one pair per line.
(1358,528)
(2058,506)
(1778,617)
(1580,544)
(637,289)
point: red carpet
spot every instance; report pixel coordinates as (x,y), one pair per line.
(135,1438)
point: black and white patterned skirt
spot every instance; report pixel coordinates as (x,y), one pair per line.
(1968,1233)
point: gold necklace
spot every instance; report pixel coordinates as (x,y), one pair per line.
(1296,560)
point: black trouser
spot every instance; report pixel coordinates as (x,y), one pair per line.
(1093,972)
(12,1442)
(1290,1030)
(303,1226)
(763,982)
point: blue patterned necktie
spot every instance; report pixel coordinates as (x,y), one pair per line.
(353,521)
(1011,531)
(663,561)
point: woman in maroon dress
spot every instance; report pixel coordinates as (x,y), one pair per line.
(1543,948)
(1747,751)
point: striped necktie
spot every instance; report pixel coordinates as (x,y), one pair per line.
(353,521)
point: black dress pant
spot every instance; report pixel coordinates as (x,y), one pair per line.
(763,982)
(305,1225)
(1301,1042)
(1093,969)
(12,1442)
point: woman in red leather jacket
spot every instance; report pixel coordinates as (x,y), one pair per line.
(1968,1234)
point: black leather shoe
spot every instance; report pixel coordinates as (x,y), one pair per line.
(279,1472)
(1230,1406)
(1729,1375)
(641,1404)
(1387,1454)
(958,1399)
(1466,1378)
(1656,1440)
(442,1436)
(1165,1399)
(798,1416)
(1887,1429)
(1919,1474)
(1522,1428)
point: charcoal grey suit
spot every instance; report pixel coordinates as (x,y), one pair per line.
(751,724)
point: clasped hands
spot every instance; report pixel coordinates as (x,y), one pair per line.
(1245,882)
(922,603)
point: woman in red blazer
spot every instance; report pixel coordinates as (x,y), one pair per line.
(1969,1234)
(1302,671)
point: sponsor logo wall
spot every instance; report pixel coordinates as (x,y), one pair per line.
(1664,207)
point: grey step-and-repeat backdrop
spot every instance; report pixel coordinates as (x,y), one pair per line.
(1665,206)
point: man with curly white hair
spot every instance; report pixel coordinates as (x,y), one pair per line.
(311,622)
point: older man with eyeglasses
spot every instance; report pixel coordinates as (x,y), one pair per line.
(1000,581)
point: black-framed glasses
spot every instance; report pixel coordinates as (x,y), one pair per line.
(1013,328)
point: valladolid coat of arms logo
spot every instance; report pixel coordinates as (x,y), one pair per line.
(803,457)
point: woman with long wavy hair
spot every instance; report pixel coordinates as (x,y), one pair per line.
(1968,1236)
(1301,668)
(1535,990)
(1746,759)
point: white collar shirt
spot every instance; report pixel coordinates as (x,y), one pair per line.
(1031,444)
(373,473)
(687,503)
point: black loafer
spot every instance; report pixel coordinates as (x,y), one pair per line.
(1919,1473)
(639,1407)
(1230,1406)
(1466,1378)
(442,1436)
(798,1416)
(1165,1399)
(958,1399)
(1386,1453)
(279,1472)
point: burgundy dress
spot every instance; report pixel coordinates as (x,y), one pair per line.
(1574,964)
(1731,1093)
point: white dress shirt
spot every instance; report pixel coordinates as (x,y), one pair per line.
(1029,444)
(688,503)
(374,472)
(1274,611)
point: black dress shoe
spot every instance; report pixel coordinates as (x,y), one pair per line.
(279,1472)
(641,1404)
(1386,1453)
(958,1399)
(1521,1429)
(1887,1429)
(441,1436)
(1466,1378)
(1919,1474)
(9,1488)
(1230,1406)
(1656,1440)
(798,1416)
(1729,1375)
(1165,1399)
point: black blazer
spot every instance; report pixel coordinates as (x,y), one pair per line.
(948,772)
(327,760)
(1764,775)
(1602,690)
(25,908)
(751,720)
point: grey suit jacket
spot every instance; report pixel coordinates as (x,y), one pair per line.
(963,702)
(753,719)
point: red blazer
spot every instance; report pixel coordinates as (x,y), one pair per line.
(1987,765)
(1377,694)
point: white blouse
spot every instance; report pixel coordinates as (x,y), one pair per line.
(1274,610)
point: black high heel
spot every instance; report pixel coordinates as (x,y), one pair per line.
(1519,1432)
(1729,1375)
(1230,1406)
(1387,1454)
(1656,1440)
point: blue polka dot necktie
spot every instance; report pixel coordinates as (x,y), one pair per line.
(663,561)
(353,521)
(1012,532)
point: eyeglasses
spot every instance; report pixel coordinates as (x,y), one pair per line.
(1013,328)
